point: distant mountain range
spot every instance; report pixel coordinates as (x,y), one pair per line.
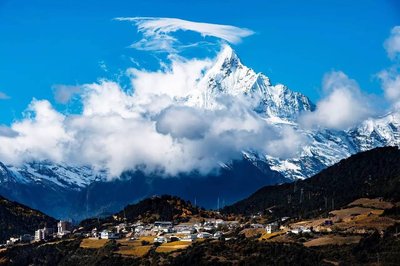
(65,191)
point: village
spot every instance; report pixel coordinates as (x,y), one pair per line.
(343,226)
(158,232)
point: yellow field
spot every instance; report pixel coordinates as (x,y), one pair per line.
(147,238)
(126,242)
(360,219)
(138,251)
(176,243)
(93,243)
(251,232)
(135,247)
(372,203)
(333,240)
(172,246)
(367,222)
(266,236)
(351,212)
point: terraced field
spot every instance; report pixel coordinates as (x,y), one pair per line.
(93,243)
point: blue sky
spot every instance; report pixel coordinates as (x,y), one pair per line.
(45,43)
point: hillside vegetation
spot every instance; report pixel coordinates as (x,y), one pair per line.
(156,208)
(17,219)
(370,174)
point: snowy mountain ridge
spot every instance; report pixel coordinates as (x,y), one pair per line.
(48,173)
(279,105)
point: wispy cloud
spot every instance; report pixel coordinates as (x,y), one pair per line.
(157,32)
(4,96)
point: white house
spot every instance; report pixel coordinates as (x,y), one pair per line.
(109,235)
(300,229)
(12,241)
(204,235)
(160,239)
(121,228)
(271,228)
(189,238)
(208,228)
(42,234)
(139,228)
(64,228)
(219,222)
(217,235)
(162,224)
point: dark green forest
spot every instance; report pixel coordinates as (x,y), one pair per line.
(372,174)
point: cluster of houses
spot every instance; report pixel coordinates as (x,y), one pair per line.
(308,228)
(296,228)
(63,228)
(166,231)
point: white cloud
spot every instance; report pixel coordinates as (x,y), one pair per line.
(287,143)
(40,135)
(64,93)
(175,81)
(4,96)
(392,44)
(390,79)
(156,125)
(157,32)
(343,105)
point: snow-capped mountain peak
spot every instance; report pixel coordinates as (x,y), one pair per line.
(228,76)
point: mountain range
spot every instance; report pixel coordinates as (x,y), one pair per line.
(66,191)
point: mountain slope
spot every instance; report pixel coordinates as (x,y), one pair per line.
(17,219)
(374,173)
(160,208)
(149,210)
